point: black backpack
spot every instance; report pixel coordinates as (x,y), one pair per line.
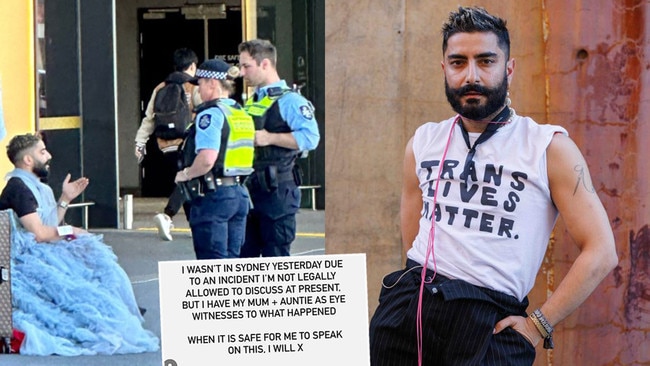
(171,109)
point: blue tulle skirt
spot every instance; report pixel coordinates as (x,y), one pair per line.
(72,298)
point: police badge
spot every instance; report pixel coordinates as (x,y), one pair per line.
(204,121)
(306,112)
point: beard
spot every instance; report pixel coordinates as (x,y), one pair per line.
(42,170)
(473,109)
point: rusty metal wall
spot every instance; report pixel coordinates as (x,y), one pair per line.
(584,65)
(598,68)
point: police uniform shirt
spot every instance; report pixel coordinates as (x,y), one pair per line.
(298,112)
(208,127)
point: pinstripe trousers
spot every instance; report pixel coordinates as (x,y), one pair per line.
(457,321)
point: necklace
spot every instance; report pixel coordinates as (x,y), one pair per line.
(503,118)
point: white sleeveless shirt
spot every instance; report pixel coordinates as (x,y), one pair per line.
(493,230)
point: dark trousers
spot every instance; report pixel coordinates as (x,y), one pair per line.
(271,223)
(268,237)
(175,202)
(218,222)
(457,321)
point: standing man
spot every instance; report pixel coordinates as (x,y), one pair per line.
(167,115)
(218,155)
(492,183)
(285,126)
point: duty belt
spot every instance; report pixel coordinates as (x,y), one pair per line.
(199,187)
(227,181)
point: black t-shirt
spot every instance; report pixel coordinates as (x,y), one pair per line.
(18,197)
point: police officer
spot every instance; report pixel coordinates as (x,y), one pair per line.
(285,126)
(217,155)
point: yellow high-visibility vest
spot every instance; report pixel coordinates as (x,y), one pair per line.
(237,145)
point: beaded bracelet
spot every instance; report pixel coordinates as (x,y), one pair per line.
(544,328)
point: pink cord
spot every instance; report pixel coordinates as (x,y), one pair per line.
(430,248)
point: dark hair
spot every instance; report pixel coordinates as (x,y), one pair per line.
(184,58)
(19,145)
(259,49)
(476,19)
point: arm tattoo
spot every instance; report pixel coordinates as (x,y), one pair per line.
(582,180)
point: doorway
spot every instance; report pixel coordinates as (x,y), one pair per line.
(210,31)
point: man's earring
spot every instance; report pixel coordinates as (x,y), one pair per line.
(508,101)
